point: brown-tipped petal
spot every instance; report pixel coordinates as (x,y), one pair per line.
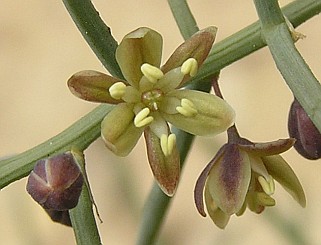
(166,169)
(229,179)
(118,130)
(197,47)
(283,173)
(219,218)
(269,148)
(200,183)
(141,46)
(93,86)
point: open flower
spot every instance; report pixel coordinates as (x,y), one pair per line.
(150,97)
(242,175)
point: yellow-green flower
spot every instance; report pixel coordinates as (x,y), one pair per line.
(242,175)
(150,97)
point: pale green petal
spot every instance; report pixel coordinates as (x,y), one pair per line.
(166,169)
(118,130)
(283,173)
(141,46)
(93,86)
(228,180)
(219,218)
(214,114)
(171,80)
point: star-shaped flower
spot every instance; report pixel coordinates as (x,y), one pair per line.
(242,175)
(151,97)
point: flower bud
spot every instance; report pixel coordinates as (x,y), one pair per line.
(61,217)
(56,182)
(308,137)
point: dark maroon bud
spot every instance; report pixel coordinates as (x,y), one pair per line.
(61,217)
(308,137)
(56,182)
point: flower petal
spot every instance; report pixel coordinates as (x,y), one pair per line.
(282,173)
(229,179)
(200,183)
(118,130)
(213,115)
(166,169)
(141,46)
(93,86)
(217,215)
(197,47)
(269,148)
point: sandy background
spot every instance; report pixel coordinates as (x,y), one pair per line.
(40,48)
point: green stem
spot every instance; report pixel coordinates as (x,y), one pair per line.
(80,135)
(82,216)
(229,50)
(95,32)
(183,17)
(249,39)
(294,69)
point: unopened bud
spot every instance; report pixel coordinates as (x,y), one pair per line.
(308,137)
(56,182)
(61,217)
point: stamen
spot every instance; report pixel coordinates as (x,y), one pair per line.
(142,118)
(117,90)
(267,185)
(152,73)
(187,108)
(190,67)
(168,143)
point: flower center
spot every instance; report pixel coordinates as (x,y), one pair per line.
(152,98)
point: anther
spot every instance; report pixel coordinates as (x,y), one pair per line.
(168,143)
(190,67)
(152,73)
(187,108)
(142,118)
(267,185)
(117,90)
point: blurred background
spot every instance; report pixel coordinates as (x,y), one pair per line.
(40,48)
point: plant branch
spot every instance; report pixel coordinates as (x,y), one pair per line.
(295,71)
(82,216)
(249,39)
(87,129)
(96,33)
(80,135)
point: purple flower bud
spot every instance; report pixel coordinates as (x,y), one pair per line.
(56,182)
(61,217)
(308,137)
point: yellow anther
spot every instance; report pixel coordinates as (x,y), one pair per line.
(190,67)
(142,118)
(168,143)
(187,108)
(152,73)
(267,185)
(117,90)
